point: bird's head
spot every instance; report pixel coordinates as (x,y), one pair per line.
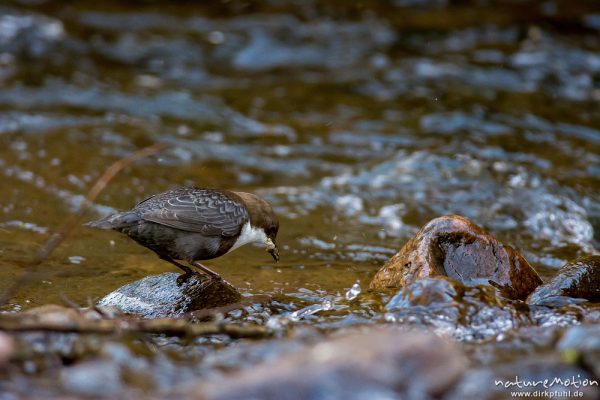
(263,218)
(271,234)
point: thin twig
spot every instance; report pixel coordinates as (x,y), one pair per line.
(69,303)
(165,326)
(73,220)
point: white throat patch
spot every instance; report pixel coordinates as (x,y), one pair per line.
(249,234)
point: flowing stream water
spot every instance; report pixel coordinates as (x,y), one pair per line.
(358,122)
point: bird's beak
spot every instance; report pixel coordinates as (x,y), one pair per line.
(272,249)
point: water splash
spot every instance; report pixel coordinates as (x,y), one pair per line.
(281,322)
(30,226)
(76,259)
(353,292)
(326,305)
(277,323)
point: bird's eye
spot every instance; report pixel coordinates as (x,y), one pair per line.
(273,231)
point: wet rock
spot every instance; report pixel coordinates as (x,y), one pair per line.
(376,364)
(454,246)
(465,312)
(159,296)
(578,279)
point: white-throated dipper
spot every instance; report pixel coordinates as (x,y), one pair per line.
(193,224)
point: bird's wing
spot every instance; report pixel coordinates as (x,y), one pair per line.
(208,212)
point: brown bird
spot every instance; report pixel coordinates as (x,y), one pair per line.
(193,224)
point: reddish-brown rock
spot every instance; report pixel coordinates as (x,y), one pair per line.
(454,246)
(578,279)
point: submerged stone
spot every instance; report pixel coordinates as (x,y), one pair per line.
(381,363)
(454,246)
(466,313)
(159,296)
(578,279)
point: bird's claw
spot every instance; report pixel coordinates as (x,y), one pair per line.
(183,278)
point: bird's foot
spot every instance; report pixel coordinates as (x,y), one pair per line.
(183,278)
(207,271)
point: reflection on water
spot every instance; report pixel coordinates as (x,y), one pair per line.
(359,123)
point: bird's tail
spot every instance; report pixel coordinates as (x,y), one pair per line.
(115,221)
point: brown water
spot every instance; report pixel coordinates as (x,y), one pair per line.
(359,123)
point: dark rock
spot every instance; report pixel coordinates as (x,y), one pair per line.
(159,296)
(578,279)
(465,312)
(455,247)
(382,363)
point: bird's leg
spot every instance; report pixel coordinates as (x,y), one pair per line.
(187,271)
(206,270)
